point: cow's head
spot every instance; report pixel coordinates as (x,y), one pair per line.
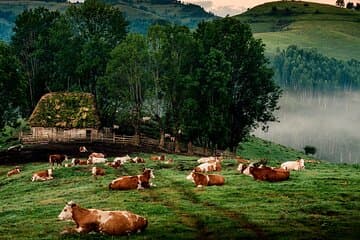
(66,213)
(50,172)
(190,176)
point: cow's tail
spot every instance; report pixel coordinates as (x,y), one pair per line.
(110,186)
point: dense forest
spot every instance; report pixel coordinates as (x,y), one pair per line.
(210,86)
(307,69)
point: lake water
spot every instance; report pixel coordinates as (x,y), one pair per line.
(330,122)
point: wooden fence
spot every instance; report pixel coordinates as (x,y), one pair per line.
(116,139)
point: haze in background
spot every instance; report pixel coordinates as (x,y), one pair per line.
(234,7)
(330,122)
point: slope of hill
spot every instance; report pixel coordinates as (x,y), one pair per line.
(140,14)
(334,31)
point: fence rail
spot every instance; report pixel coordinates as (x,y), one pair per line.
(114,139)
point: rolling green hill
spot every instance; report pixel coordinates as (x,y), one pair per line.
(140,14)
(334,31)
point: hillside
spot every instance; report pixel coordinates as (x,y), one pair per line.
(321,202)
(140,14)
(334,31)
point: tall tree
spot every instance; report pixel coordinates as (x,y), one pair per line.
(254,95)
(126,78)
(99,28)
(31,44)
(12,85)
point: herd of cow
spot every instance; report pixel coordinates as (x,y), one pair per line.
(124,222)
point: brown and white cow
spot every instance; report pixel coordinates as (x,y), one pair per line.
(201,179)
(210,159)
(43,175)
(208,167)
(107,222)
(115,165)
(14,171)
(96,171)
(133,182)
(158,158)
(123,159)
(57,158)
(293,165)
(269,174)
(76,161)
(242,160)
(138,160)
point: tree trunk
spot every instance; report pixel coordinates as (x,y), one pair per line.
(190,148)
(177,146)
(162,139)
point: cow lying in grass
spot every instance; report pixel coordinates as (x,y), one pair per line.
(208,167)
(293,165)
(133,182)
(107,222)
(14,171)
(201,179)
(269,174)
(42,175)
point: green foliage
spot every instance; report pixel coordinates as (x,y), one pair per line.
(12,85)
(320,202)
(307,69)
(252,92)
(309,150)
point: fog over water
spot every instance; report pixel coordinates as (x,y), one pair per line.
(330,122)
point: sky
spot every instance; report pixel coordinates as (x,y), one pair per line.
(233,7)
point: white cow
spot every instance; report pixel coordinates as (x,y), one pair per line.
(293,165)
(123,160)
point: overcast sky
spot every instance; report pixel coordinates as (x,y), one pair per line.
(233,7)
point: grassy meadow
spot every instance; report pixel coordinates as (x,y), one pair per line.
(321,202)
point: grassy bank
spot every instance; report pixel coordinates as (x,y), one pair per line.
(322,202)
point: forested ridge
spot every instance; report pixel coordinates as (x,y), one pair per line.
(308,69)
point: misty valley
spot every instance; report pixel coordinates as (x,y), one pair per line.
(327,121)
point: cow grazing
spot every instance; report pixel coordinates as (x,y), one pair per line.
(97,155)
(293,165)
(96,171)
(107,222)
(122,160)
(269,174)
(57,158)
(76,161)
(208,167)
(201,179)
(42,175)
(14,171)
(133,182)
(138,160)
(158,158)
(169,161)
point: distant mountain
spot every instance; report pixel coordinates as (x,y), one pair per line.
(140,13)
(333,31)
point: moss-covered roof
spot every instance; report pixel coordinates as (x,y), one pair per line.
(65,110)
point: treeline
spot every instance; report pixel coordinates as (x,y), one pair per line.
(209,87)
(297,68)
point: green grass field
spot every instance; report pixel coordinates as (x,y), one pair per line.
(334,31)
(321,202)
